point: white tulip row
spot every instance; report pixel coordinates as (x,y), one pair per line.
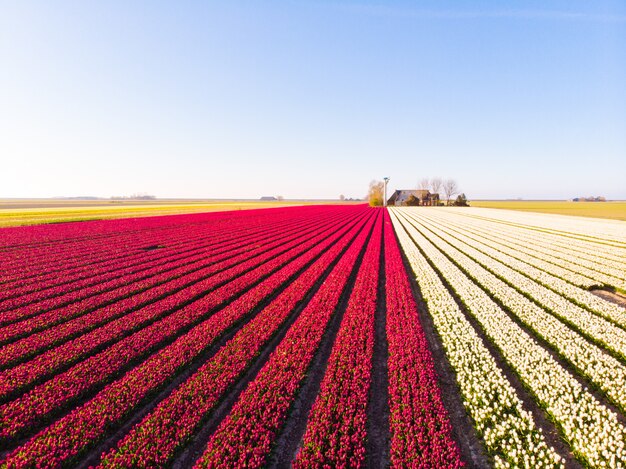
(587,252)
(502,244)
(589,249)
(610,231)
(604,370)
(507,429)
(592,430)
(559,289)
(592,265)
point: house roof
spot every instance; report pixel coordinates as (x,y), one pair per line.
(401,195)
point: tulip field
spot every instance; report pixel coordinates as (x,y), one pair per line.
(314,336)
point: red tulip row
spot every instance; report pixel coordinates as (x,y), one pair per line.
(126,284)
(45,236)
(117,276)
(16,243)
(72,383)
(420,429)
(27,259)
(172,423)
(67,259)
(85,275)
(245,436)
(125,253)
(164,285)
(68,437)
(123,320)
(26,241)
(336,431)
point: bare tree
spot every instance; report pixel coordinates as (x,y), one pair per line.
(375,193)
(342,197)
(424,184)
(280,197)
(435,185)
(450,189)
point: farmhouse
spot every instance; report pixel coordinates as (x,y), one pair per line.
(425,197)
(268,198)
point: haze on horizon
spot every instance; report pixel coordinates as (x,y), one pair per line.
(312,99)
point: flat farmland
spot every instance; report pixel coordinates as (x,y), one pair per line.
(314,336)
(615,210)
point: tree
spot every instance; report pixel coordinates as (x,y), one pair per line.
(461,201)
(412,201)
(435,185)
(376,193)
(342,197)
(424,184)
(279,197)
(450,189)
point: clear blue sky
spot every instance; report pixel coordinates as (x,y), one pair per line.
(312,99)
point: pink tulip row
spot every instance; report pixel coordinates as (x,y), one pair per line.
(74,300)
(74,253)
(45,236)
(68,260)
(420,430)
(27,373)
(336,430)
(245,436)
(71,435)
(16,245)
(172,423)
(24,261)
(108,282)
(133,260)
(117,251)
(20,243)
(164,285)
(30,408)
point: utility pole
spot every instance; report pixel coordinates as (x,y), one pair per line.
(386,179)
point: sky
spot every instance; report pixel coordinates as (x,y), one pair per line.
(312,99)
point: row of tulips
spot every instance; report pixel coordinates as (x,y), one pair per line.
(76,254)
(589,263)
(89,423)
(592,257)
(31,242)
(593,431)
(336,430)
(25,261)
(115,250)
(606,233)
(594,325)
(600,242)
(562,281)
(32,407)
(483,233)
(28,239)
(245,437)
(155,440)
(22,376)
(180,247)
(602,369)
(109,289)
(506,427)
(204,271)
(45,236)
(421,434)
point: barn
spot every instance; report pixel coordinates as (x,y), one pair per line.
(426,198)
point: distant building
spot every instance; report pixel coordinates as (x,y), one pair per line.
(598,198)
(268,198)
(425,197)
